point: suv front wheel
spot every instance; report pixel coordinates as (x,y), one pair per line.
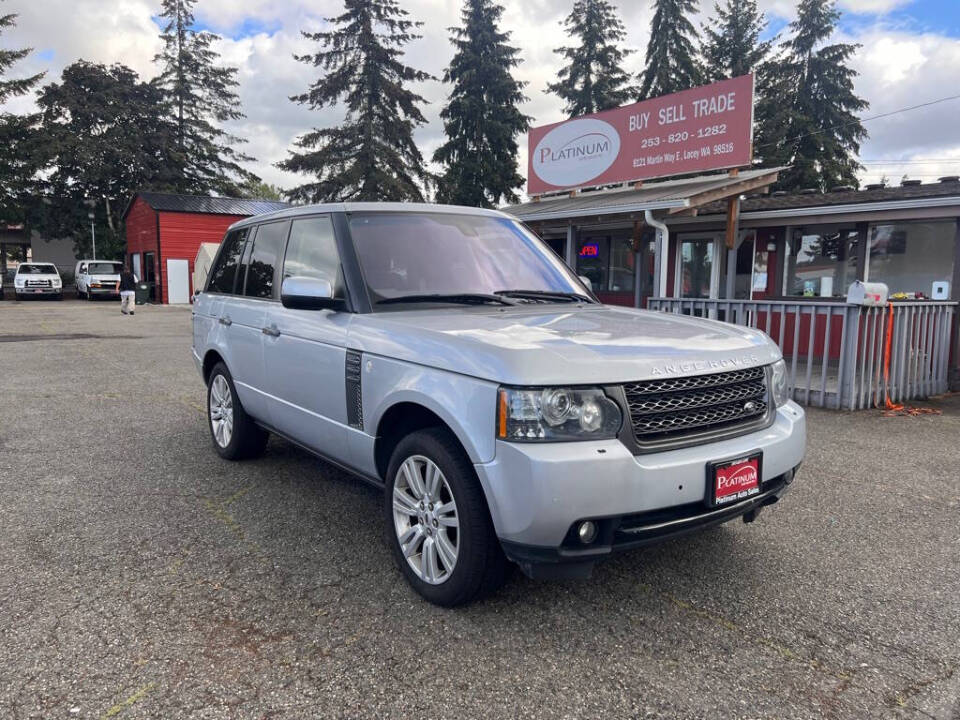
(235,435)
(438,524)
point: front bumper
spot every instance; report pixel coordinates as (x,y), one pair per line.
(39,291)
(103,291)
(537,492)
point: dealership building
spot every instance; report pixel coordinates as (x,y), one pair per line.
(805,245)
(659,206)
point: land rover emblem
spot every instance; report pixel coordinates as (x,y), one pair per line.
(749,406)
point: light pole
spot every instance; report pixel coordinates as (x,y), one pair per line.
(93,233)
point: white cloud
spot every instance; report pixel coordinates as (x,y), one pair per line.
(897,68)
(873,6)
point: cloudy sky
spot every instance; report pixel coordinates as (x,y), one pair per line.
(910,54)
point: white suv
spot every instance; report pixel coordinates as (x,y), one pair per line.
(37,280)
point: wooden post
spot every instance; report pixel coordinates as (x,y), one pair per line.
(733,233)
(733,221)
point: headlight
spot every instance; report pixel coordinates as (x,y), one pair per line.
(552,414)
(57,282)
(778,383)
(18,282)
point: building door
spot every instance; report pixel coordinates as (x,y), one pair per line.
(178,282)
(697,268)
(150,275)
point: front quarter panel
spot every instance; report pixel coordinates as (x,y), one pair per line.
(467,405)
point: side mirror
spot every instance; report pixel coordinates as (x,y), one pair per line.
(306,293)
(586,281)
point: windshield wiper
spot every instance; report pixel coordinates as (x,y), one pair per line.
(545,295)
(460,298)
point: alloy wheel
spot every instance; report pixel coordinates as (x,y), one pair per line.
(425,519)
(221,411)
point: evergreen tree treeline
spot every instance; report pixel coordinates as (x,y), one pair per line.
(101,132)
(17,134)
(593,78)
(481,119)
(371,155)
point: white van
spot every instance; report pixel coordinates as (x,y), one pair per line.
(97,278)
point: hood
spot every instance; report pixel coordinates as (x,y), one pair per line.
(104,278)
(551,344)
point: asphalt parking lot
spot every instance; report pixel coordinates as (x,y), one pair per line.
(142,576)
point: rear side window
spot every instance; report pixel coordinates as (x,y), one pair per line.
(312,252)
(224,272)
(266,255)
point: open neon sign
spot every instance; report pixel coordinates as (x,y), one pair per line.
(590,250)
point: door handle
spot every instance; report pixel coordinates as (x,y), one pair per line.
(271,330)
(226,321)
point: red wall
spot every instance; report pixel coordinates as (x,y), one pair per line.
(141,227)
(181,235)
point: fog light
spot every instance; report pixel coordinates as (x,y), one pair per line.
(587,532)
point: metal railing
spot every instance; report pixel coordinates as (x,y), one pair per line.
(845,356)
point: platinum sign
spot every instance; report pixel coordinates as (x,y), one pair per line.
(705,128)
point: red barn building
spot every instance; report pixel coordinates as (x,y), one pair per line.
(164,233)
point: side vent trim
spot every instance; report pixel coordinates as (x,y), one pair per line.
(353,366)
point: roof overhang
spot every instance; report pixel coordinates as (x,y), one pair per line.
(802,214)
(674,196)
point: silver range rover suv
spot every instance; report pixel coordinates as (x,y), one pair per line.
(448,356)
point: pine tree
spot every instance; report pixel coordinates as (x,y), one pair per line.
(481,119)
(201,96)
(17,136)
(372,154)
(672,63)
(593,78)
(732,46)
(820,132)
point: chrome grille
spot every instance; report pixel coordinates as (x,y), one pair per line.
(667,409)
(38,283)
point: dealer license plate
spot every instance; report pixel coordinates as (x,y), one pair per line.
(730,481)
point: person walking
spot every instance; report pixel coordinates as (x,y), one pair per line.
(126,286)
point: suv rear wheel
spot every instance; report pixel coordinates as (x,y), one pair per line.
(235,435)
(438,524)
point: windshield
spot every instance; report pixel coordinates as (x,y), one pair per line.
(37,270)
(103,268)
(407,254)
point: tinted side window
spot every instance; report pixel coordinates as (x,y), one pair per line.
(267,251)
(224,271)
(312,252)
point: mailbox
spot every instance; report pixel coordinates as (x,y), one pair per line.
(868,294)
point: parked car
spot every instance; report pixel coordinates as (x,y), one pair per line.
(98,278)
(448,356)
(37,279)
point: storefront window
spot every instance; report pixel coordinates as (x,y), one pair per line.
(623,272)
(910,257)
(609,262)
(823,261)
(696,268)
(593,260)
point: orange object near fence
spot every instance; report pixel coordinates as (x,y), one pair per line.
(891,409)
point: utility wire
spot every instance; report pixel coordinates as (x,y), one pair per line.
(862,120)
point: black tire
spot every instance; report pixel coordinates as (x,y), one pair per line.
(248,439)
(481,567)
(58,296)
